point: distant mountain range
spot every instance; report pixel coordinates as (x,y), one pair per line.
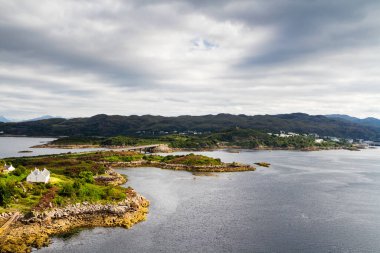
(3,119)
(112,125)
(367,121)
(41,118)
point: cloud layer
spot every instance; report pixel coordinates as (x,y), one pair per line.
(79,58)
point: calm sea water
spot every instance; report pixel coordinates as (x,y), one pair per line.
(305,202)
(10,147)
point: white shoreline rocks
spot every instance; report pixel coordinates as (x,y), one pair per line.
(119,209)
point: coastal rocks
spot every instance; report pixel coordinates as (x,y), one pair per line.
(162,148)
(77,209)
(5,215)
(36,228)
(111,178)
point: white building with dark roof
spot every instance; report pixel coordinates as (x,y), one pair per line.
(9,168)
(38,176)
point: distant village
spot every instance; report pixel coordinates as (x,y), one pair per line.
(188,132)
(361,143)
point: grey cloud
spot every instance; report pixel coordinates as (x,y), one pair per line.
(303,27)
(33,47)
(199,57)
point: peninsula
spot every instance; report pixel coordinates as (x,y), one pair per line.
(82,190)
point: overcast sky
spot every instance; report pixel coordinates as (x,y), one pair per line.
(80,58)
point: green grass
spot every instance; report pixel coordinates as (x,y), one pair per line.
(65,171)
(72,178)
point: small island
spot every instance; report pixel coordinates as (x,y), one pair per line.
(79,190)
(263,164)
(25,151)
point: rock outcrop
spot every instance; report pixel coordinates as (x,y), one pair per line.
(162,148)
(111,177)
(36,228)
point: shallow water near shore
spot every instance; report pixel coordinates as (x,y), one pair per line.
(326,201)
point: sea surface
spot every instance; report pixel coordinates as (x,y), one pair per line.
(326,201)
(11,146)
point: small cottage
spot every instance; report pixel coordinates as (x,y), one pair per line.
(9,168)
(38,176)
(319,141)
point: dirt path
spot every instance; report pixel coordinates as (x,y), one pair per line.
(6,225)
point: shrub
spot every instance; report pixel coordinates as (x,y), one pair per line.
(67,190)
(6,191)
(20,170)
(115,193)
(113,159)
(87,176)
(91,192)
(58,200)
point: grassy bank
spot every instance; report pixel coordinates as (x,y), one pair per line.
(71,181)
(87,177)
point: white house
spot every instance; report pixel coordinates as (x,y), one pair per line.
(37,176)
(9,168)
(319,141)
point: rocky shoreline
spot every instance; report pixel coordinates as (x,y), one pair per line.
(34,230)
(227,167)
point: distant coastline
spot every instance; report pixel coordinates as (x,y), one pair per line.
(228,148)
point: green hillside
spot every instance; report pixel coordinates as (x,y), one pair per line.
(148,125)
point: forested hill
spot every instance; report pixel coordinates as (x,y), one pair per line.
(367,121)
(105,125)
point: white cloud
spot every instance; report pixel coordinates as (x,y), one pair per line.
(79,58)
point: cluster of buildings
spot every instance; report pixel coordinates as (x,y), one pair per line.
(283,134)
(189,132)
(319,139)
(35,176)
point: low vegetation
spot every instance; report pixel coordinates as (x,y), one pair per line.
(240,138)
(72,181)
(76,178)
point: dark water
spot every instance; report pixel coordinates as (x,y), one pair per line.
(306,202)
(10,147)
